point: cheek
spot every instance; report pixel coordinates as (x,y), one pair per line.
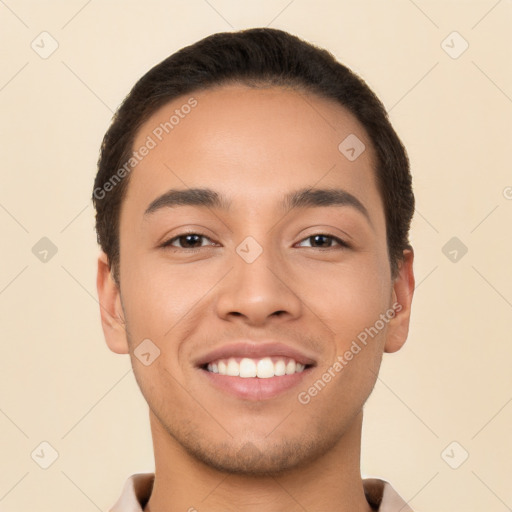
(160,299)
(349,299)
(351,305)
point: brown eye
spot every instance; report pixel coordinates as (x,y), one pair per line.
(324,241)
(186,241)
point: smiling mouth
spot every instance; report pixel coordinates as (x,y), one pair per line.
(262,368)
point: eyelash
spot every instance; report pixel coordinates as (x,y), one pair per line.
(167,244)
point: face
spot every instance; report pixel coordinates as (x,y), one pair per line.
(268,302)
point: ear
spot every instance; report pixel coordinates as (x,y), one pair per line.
(111,310)
(403,290)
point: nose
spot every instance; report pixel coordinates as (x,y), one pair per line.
(258,291)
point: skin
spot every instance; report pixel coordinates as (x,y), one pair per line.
(214,451)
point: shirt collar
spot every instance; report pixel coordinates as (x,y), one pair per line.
(137,490)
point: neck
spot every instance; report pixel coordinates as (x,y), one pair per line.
(331,482)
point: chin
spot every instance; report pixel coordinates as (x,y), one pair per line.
(253,458)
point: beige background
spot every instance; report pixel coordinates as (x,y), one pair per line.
(451,382)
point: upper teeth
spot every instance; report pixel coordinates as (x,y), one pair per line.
(262,368)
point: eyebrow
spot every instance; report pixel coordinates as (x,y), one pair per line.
(302,198)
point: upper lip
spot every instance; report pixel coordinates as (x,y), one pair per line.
(255,350)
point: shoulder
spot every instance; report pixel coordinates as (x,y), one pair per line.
(382,497)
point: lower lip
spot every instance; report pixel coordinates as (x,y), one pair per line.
(254,388)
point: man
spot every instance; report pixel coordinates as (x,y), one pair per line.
(253,207)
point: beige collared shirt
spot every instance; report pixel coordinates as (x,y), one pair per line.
(137,489)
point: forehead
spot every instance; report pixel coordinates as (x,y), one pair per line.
(252,145)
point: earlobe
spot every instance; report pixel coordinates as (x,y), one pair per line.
(403,290)
(111,311)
